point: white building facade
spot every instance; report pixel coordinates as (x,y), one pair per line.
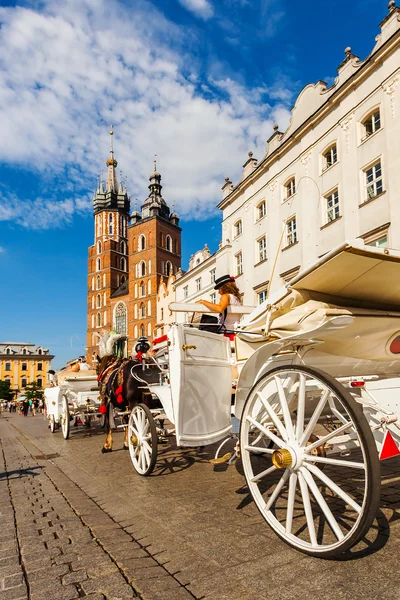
(334,174)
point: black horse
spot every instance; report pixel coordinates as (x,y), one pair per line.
(122,384)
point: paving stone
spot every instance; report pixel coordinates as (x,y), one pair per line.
(74,577)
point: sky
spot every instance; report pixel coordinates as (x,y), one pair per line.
(199,83)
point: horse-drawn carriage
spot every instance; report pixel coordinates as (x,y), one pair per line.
(75,399)
(317,396)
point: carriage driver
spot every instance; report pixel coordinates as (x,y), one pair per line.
(81,365)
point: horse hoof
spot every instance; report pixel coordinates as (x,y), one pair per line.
(105,450)
(125,447)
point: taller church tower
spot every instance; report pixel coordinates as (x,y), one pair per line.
(108,266)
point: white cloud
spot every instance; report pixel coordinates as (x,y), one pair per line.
(201,8)
(69,71)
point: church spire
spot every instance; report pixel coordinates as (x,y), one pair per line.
(112,184)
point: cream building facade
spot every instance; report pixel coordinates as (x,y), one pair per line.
(21,364)
(334,174)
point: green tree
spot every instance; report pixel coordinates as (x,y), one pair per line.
(5,390)
(33,391)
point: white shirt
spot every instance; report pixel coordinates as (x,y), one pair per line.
(231,319)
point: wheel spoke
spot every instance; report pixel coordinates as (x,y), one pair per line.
(259,450)
(327,437)
(322,503)
(334,461)
(266,432)
(290,503)
(313,421)
(307,509)
(263,474)
(148,447)
(277,489)
(335,488)
(300,406)
(274,417)
(285,408)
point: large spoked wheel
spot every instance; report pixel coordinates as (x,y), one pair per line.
(65,422)
(142,438)
(52,424)
(310,460)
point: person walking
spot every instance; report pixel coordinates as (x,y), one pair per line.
(25,407)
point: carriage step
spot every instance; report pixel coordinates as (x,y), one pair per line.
(222,459)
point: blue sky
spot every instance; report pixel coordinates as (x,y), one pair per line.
(198,82)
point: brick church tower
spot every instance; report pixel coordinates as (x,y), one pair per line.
(128,259)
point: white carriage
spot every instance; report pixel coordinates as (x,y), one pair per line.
(75,399)
(317,397)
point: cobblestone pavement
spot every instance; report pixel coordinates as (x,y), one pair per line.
(79,524)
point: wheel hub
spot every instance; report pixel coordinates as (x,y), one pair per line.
(134,440)
(282,458)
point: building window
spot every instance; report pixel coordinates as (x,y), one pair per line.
(8,366)
(212,275)
(262,296)
(332,206)
(98,264)
(291,231)
(123,247)
(377,238)
(98,282)
(237,228)
(142,310)
(39,381)
(142,243)
(40,351)
(23,350)
(168,268)
(239,264)
(142,331)
(8,351)
(198,284)
(24,383)
(99,247)
(290,188)
(142,289)
(168,243)
(262,248)
(213,297)
(110,224)
(371,124)
(373,181)
(24,366)
(40,366)
(261,210)
(329,157)
(98,320)
(142,269)
(123,264)
(185,291)
(98,301)
(120,318)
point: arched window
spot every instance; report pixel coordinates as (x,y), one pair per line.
(142,269)
(98,320)
(98,247)
(110,224)
(23,350)
(168,268)
(100,225)
(120,318)
(98,264)
(98,301)
(168,243)
(8,350)
(142,331)
(98,282)
(123,264)
(142,310)
(123,247)
(142,289)
(142,242)
(92,284)
(92,301)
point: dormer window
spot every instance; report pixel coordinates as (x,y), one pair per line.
(237,228)
(329,157)
(290,188)
(23,350)
(371,124)
(8,350)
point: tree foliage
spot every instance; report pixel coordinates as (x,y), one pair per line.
(5,390)
(33,391)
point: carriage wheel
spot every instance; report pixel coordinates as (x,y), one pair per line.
(142,438)
(102,420)
(65,422)
(314,493)
(52,424)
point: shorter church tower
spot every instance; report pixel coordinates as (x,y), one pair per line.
(108,266)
